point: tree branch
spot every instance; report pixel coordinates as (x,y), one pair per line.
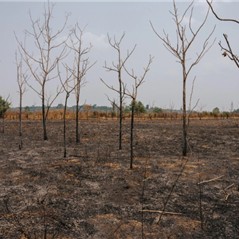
(220,18)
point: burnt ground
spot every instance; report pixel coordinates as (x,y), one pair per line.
(93,194)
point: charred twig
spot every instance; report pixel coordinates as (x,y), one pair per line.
(171,191)
(162,212)
(210,180)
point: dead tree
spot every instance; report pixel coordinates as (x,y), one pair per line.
(138,81)
(68,88)
(21,81)
(80,67)
(186,36)
(42,65)
(118,68)
(228,50)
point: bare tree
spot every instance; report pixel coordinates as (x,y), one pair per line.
(21,81)
(228,50)
(186,36)
(118,68)
(68,88)
(42,65)
(80,67)
(138,81)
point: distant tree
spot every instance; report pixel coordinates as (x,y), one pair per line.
(60,106)
(87,109)
(186,37)
(27,109)
(114,108)
(49,51)
(118,69)
(225,114)
(156,110)
(216,111)
(138,107)
(4,106)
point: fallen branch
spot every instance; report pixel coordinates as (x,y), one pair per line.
(230,186)
(210,180)
(227,196)
(162,212)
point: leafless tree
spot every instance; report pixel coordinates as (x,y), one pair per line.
(49,50)
(118,69)
(21,81)
(68,88)
(137,82)
(228,50)
(80,67)
(186,35)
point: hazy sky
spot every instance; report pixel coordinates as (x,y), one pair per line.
(217,78)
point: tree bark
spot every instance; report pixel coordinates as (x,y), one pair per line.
(185,146)
(64,121)
(120,111)
(132,134)
(20,120)
(77,121)
(44,114)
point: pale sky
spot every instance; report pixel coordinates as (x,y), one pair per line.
(217,78)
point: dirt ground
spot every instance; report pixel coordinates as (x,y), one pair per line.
(92,193)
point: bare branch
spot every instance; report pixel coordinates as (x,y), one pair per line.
(203,52)
(112,102)
(210,180)
(220,18)
(137,80)
(229,52)
(21,76)
(108,86)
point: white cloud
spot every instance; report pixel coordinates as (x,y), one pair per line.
(97,41)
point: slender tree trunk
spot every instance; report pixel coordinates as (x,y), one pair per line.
(20,120)
(132,135)
(64,120)
(77,120)
(185,146)
(44,114)
(121,111)
(78,81)
(44,123)
(120,125)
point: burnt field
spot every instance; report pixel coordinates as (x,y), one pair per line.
(92,193)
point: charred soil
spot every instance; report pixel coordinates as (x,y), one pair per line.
(92,193)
